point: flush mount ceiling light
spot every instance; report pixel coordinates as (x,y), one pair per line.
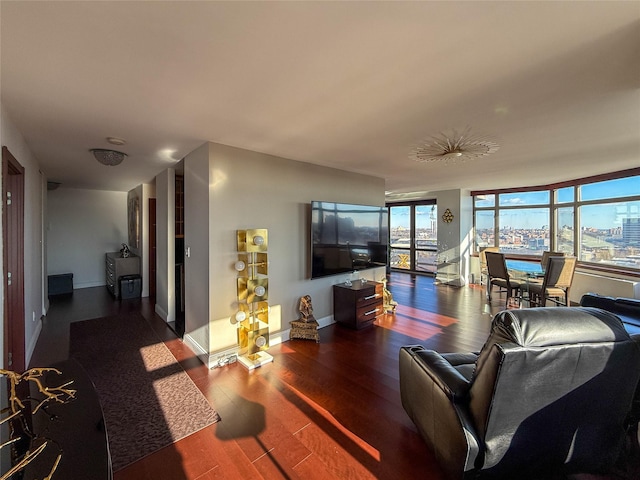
(453,146)
(108,157)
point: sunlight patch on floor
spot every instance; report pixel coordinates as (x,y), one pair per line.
(408,326)
(424,316)
(370,450)
(154,357)
(415,323)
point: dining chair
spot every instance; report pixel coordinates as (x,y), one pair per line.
(544,261)
(545,258)
(483,261)
(498,274)
(556,284)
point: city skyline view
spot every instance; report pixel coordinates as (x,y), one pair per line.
(600,219)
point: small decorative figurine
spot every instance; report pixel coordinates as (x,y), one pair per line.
(124,251)
(306,309)
(306,327)
(388,302)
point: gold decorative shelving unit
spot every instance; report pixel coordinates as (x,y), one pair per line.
(252,316)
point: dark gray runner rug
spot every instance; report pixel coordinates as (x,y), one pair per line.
(148,400)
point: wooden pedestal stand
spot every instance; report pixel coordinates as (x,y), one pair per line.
(306,327)
(305,330)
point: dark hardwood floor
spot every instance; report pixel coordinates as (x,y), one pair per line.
(320,411)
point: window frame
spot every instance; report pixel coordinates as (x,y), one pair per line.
(554,205)
(413,250)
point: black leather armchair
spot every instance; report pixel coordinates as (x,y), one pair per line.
(550,391)
(627,309)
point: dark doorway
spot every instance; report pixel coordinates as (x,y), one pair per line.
(152,247)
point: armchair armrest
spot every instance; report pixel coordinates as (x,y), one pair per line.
(634,415)
(433,394)
(598,301)
(443,374)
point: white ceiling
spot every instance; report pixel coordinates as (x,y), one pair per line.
(351,85)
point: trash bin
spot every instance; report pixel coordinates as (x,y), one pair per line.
(60,284)
(130,286)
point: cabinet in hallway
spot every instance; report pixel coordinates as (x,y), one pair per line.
(116,266)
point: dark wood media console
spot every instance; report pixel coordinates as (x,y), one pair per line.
(357,305)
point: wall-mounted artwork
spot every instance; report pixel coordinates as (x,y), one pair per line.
(133,215)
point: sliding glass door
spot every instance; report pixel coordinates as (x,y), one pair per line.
(413,236)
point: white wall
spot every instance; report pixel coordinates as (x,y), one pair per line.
(242,190)
(198,307)
(165,238)
(454,238)
(466,234)
(585,281)
(82,226)
(33,235)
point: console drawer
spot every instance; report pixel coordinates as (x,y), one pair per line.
(357,305)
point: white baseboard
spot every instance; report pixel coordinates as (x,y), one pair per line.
(32,342)
(200,352)
(161,313)
(274,339)
(325,321)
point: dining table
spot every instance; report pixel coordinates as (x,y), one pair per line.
(525,272)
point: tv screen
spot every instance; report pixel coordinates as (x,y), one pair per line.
(347,238)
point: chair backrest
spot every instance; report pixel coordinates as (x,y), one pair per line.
(541,384)
(483,257)
(496,265)
(559,272)
(545,258)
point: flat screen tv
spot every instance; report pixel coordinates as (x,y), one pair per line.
(347,238)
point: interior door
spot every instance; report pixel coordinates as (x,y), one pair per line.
(13,257)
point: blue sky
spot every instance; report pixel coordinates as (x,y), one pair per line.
(603,216)
(400,216)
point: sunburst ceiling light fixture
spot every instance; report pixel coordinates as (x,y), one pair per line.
(108,157)
(453,146)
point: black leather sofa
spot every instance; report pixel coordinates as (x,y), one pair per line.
(550,393)
(628,309)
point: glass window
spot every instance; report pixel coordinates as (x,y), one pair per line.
(485,200)
(564,230)
(524,198)
(426,218)
(524,230)
(399,236)
(599,222)
(620,187)
(426,238)
(400,220)
(426,261)
(399,258)
(485,229)
(610,233)
(565,195)
(414,237)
